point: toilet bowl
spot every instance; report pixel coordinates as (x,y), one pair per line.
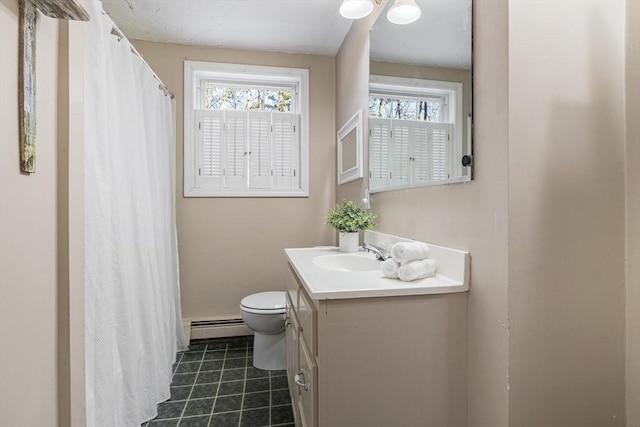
(264,314)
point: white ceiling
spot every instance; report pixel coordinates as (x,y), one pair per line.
(301,26)
(441,37)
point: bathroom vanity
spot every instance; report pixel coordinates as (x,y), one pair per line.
(364,350)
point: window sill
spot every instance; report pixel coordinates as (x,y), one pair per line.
(205,192)
(460,179)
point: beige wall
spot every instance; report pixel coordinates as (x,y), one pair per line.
(28,247)
(566,214)
(633,212)
(70,219)
(232,247)
(394,69)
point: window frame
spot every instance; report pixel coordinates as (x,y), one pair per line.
(196,72)
(419,88)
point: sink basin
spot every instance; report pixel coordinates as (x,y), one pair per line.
(347,262)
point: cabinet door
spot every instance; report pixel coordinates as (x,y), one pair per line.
(292,331)
(293,287)
(307,316)
(306,381)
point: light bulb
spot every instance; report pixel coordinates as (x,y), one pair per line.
(404,12)
(356,9)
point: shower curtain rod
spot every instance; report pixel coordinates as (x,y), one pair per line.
(118,32)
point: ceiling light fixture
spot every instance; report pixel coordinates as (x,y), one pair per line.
(404,12)
(356,9)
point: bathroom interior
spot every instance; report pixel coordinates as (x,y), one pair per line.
(533,318)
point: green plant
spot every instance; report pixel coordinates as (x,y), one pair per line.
(349,218)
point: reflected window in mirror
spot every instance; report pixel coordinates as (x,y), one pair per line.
(415,132)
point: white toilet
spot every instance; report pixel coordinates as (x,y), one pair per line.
(264,314)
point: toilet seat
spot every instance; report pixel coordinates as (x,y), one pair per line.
(264,303)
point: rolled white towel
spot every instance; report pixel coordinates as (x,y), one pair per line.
(415,270)
(404,252)
(390,268)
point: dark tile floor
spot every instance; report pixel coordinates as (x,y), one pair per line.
(215,385)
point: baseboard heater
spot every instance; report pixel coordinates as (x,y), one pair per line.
(218,328)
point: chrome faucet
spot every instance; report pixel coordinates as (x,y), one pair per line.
(380,253)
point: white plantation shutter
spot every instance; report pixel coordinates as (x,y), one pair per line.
(209,126)
(420,159)
(399,153)
(379,134)
(260,149)
(441,139)
(236,149)
(407,153)
(285,143)
(240,150)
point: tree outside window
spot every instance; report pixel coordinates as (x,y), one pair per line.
(238,98)
(427,110)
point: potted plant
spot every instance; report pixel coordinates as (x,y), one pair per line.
(349,219)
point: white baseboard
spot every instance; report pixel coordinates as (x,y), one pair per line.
(203,328)
(220,332)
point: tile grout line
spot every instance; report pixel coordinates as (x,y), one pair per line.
(225,412)
(175,369)
(244,386)
(234,394)
(270,398)
(192,386)
(215,399)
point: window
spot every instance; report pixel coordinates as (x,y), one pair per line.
(246,131)
(415,131)
(426,109)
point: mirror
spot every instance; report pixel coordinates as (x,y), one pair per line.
(420,107)
(350,149)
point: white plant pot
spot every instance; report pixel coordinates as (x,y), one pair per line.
(348,242)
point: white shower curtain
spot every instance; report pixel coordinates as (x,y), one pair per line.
(132,304)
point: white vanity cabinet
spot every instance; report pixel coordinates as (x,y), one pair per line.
(301,356)
(376,361)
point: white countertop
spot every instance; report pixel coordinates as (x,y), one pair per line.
(322,284)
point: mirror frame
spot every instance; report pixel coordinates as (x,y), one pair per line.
(356,172)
